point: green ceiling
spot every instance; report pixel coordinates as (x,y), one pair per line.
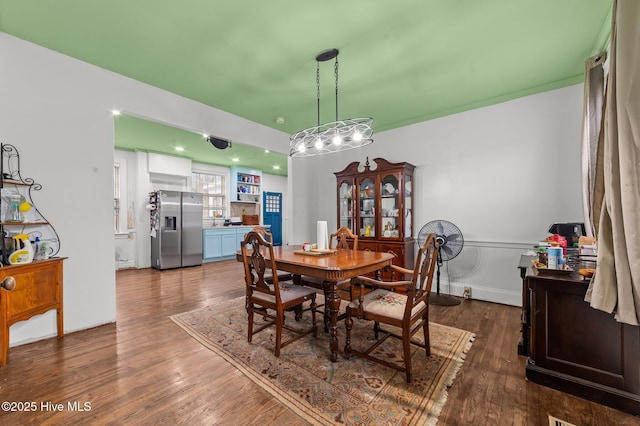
(135,134)
(401,62)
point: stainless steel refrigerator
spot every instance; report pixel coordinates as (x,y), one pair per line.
(176,229)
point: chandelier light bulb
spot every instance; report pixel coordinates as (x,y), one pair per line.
(319,143)
(337,140)
(357,136)
(301,147)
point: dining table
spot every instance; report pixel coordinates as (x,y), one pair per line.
(334,268)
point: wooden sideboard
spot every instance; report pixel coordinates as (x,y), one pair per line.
(38,290)
(577,349)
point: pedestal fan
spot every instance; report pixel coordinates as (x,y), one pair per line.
(450,241)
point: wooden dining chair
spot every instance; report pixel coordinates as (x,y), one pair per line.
(408,312)
(339,240)
(282,275)
(270,300)
(342,237)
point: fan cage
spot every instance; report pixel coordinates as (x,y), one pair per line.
(448,236)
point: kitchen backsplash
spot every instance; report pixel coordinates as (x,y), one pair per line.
(238,209)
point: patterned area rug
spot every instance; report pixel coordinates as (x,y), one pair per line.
(347,392)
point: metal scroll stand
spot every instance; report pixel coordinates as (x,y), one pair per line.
(5,256)
(10,157)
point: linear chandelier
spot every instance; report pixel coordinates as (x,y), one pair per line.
(339,135)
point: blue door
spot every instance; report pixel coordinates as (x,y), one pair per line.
(272,215)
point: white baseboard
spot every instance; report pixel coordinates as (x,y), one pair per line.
(479,292)
(125,264)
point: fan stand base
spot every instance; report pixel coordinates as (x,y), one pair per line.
(443,300)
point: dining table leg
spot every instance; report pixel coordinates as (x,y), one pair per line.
(333,302)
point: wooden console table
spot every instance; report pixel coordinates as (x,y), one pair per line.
(577,349)
(38,290)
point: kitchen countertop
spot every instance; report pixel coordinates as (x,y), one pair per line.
(235,226)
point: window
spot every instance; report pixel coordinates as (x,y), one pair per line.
(213,191)
(116,197)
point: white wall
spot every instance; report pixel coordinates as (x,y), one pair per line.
(502,174)
(57,112)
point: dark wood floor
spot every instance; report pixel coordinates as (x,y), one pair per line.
(146,370)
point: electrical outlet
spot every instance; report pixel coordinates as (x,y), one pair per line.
(467,293)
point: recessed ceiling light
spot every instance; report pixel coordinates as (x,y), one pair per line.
(204,135)
(179,148)
(116,112)
(276,167)
(280,120)
(266,151)
(235,159)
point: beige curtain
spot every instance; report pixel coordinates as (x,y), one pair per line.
(616,285)
(591,132)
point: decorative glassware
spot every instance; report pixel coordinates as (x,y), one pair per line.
(13,213)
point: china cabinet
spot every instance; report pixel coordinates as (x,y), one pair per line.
(376,203)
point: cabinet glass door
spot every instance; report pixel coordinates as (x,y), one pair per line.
(408,207)
(367,208)
(345,205)
(389,207)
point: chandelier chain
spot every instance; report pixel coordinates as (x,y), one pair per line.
(318,93)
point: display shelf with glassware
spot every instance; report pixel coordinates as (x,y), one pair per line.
(367,205)
(389,205)
(376,204)
(30,274)
(345,203)
(21,223)
(246,185)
